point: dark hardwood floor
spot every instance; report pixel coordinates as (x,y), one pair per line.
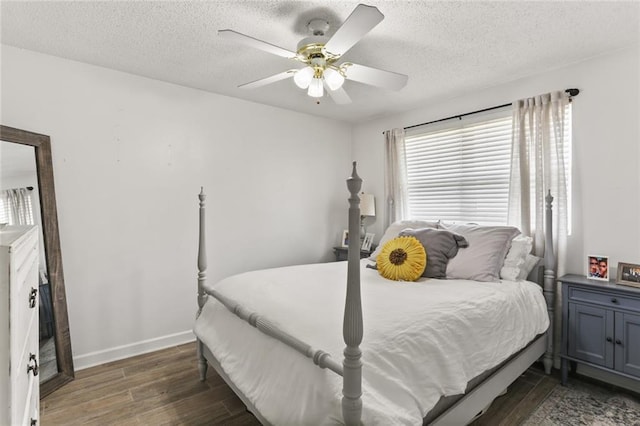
(159,388)
(162,388)
(522,398)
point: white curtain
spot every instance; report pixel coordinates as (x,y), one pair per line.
(16,207)
(395,176)
(537,167)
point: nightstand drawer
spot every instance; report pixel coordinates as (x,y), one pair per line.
(611,300)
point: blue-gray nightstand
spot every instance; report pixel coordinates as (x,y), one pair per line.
(600,326)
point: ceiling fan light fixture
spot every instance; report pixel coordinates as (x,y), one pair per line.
(315,88)
(321,57)
(302,78)
(333,78)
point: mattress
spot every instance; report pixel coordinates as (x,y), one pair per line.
(422,340)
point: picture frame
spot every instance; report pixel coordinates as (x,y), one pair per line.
(598,267)
(367,242)
(345,238)
(628,274)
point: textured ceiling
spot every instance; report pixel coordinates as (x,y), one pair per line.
(446,47)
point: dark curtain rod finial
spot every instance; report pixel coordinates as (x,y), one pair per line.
(573,92)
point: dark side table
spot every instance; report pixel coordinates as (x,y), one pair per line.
(341,253)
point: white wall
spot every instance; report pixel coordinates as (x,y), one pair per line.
(130,155)
(606,135)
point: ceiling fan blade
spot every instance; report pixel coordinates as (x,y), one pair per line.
(268,80)
(362,20)
(374,76)
(339,96)
(257,44)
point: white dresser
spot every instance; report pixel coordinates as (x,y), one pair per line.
(19,388)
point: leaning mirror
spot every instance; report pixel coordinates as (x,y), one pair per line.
(27,196)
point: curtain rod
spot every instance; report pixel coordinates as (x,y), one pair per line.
(571,92)
(30,188)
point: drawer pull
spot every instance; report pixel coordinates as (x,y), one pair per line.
(618,342)
(32,297)
(33,367)
(609,339)
(614,300)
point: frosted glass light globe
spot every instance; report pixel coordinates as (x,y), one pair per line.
(333,78)
(315,88)
(303,77)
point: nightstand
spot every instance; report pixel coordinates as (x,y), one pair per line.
(600,326)
(341,253)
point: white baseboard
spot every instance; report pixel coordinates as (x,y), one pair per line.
(92,359)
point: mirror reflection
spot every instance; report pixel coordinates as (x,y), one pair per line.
(20,205)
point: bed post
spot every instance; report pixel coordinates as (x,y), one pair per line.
(549,288)
(352,326)
(202,277)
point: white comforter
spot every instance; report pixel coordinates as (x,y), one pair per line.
(421,339)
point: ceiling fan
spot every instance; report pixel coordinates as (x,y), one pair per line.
(321,56)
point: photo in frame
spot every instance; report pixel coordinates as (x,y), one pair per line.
(628,274)
(598,267)
(367,242)
(345,238)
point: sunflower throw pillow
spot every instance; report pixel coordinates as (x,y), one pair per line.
(402,259)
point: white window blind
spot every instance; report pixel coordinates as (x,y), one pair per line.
(4,208)
(459,171)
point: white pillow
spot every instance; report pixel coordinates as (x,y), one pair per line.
(483,259)
(515,258)
(530,262)
(395,228)
(510,273)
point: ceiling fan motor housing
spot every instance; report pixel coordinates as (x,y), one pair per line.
(318,27)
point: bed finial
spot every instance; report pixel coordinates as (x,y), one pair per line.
(352,329)
(354,182)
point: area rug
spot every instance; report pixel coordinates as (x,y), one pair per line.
(586,404)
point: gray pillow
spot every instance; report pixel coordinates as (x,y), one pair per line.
(483,259)
(394,229)
(440,245)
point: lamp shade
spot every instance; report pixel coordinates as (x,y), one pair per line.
(367,205)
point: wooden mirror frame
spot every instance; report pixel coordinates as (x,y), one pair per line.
(49,212)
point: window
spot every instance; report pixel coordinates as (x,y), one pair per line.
(458,170)
(16,207)
(4,209)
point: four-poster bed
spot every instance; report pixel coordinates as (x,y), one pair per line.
(257,329)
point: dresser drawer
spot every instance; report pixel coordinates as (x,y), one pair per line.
(32,416)
(23,268)
(23,250)
(24,383)
(611,300)
(24,318)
